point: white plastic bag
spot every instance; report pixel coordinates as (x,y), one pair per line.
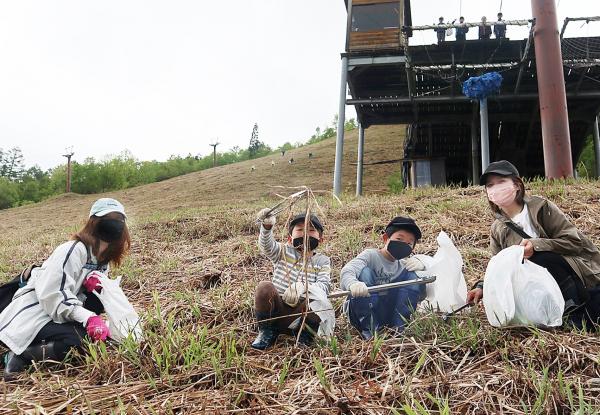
(449,290)
(321,306)
(122,317)
(520,293)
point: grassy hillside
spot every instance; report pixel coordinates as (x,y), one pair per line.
(237,182)
(192,273)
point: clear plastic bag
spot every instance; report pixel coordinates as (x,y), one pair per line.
(517,292)
(449,290)
(123,320)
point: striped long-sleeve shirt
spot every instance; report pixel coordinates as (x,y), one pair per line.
(288,264)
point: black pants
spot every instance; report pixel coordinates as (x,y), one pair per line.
(67,335)
(574,292)
(569,283)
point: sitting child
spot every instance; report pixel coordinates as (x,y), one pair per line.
(391,308)
(279,302)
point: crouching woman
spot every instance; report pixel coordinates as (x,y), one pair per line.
(55,310)
(549,239)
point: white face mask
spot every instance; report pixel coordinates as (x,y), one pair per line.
(502,194)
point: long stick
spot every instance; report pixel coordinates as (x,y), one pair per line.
(385,287)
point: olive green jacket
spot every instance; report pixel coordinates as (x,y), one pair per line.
(557,235)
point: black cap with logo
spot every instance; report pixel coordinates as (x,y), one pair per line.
(501,168)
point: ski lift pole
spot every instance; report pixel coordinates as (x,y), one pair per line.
(485,133)
(384,287)
(480,87)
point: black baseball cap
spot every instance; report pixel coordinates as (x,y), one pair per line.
(400,222)
(501,168)
(302,218)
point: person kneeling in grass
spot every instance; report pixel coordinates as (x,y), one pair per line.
(368,313)
(279,303)
(56,309)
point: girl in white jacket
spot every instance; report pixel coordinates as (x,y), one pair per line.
(56,309)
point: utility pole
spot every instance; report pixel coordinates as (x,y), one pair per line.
(68,155)
(214,146)
(558,161)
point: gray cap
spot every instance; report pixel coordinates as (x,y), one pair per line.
(501,168)
(106,205)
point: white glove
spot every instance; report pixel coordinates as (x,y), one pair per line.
(292,295)
(359,289)
(414,264)
(266,220)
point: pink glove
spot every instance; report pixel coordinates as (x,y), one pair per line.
(92,282)
(97,328)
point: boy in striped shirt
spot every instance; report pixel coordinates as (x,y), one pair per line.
(278,302)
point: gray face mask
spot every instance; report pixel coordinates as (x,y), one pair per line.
(399,249)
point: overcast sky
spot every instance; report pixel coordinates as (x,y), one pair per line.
(169,77)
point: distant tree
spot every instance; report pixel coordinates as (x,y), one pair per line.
(586,164)
(350,124)
(11,163)
(9,195)
(257,148)
(255,143)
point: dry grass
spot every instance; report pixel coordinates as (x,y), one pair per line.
(192,273)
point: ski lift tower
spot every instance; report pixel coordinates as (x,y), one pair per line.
(393,81)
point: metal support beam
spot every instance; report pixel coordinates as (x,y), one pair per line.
(339,144)
(457,99)
(475,24)
(581,78)
(359,162)
(348,24)
(558,160)
(474,147)
(575,19)
(597,147)
(491,65)
(375,60)
(524,59)
(485,135)
(410,75)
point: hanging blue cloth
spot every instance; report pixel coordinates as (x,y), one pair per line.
(482,86)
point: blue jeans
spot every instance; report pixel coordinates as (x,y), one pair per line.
(390,308)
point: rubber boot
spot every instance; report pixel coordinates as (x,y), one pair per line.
(307,336)
(267,333)
(368,326)
(17,364)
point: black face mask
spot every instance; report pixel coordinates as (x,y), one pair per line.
(312,243)
(110,230)
(399,249)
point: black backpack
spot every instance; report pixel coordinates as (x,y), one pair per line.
(8,290)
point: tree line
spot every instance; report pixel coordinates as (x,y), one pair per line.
(21,186)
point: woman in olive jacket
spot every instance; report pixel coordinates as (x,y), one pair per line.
(548,238)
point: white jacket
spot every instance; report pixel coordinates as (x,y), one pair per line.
(54,292)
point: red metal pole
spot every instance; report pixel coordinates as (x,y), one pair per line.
(551,86)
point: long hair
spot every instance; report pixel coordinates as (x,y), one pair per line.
(116,250)
(519,198)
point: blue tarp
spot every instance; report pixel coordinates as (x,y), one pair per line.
(482,86)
